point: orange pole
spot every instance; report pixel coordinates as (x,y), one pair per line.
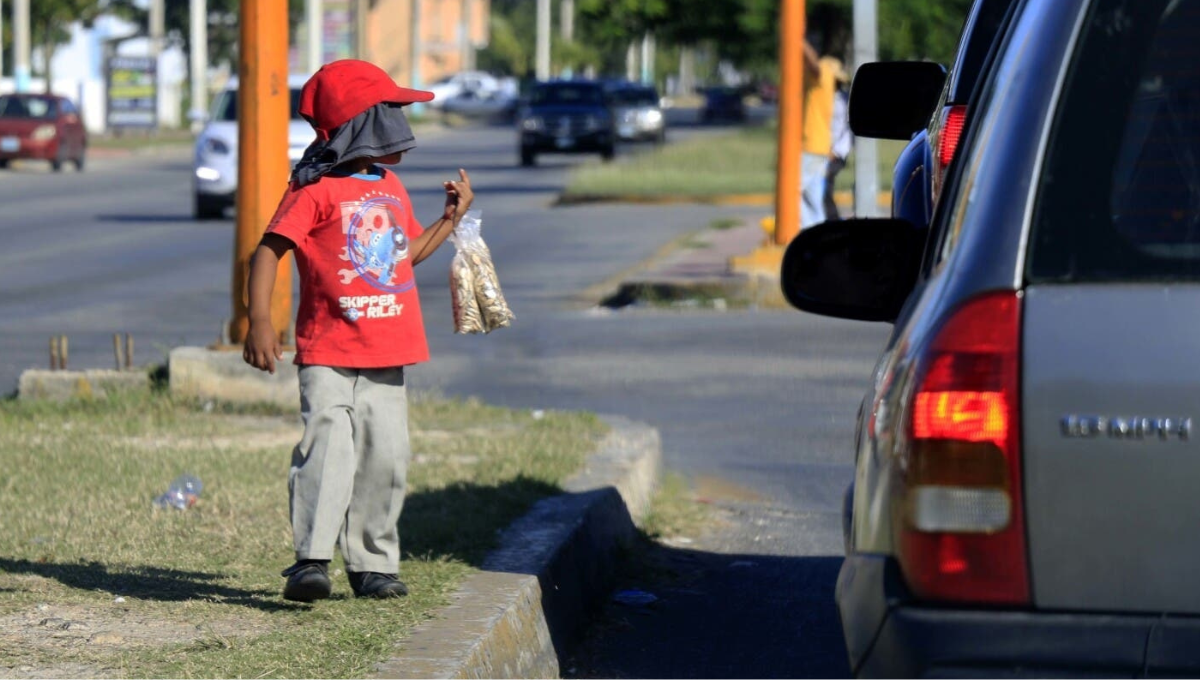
(263,110)
(791,120)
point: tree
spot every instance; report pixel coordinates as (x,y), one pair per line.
(48,23)
(506,52)
(223,23)
(920,29)
(744,32)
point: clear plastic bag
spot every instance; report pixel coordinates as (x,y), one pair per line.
(477,301)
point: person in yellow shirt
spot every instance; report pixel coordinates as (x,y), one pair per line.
(816,137)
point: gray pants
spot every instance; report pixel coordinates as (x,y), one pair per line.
(347,481)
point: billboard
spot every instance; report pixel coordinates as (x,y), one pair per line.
(132,92)
(339,29)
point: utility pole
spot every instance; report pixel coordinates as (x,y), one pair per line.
(157,31)
(464,37)
(631,68)
(157,27)
(566,19)
(648,58)
(263,101)
(313,16)
(1,38)
(418,49)
(687,70)
(791,114)
(21,72)
(543,40)
(866,167)
(360,30)
(198,36)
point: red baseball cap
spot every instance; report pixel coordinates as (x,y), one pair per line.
(340,90)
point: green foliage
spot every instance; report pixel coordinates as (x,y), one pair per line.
(744,32)
(506,53)
(223,23)
(573,55)
(511,48)
(921,29)
(619,21)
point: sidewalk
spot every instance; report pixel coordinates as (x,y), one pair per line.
(718,268)
(697,268)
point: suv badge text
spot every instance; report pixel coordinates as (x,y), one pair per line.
(1135,427)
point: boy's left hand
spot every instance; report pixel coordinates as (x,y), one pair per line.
(458,197)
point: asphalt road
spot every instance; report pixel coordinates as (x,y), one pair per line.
(755,407)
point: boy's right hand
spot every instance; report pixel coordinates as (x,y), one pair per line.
(262,347)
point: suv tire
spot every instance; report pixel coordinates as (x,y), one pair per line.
(207,208)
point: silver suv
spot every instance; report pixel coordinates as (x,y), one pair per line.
(1025,498)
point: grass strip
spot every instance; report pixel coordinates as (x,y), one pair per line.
(96,582)
(705,168)
(741,162)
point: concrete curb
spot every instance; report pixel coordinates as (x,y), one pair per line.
(735,289)
(217,374)
(521,614)
(64,385)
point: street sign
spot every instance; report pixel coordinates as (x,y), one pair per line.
(132,92)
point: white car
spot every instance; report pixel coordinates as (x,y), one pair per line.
(216,162)
(478,82)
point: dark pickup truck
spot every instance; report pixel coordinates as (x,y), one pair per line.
(566,117)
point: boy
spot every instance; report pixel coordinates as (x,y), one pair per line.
(359,324)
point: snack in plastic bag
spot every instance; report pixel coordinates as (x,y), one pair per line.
(478,303)
(468,318)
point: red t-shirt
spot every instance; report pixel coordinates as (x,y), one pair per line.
(358,298)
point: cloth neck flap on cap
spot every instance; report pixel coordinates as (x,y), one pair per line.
(381,130)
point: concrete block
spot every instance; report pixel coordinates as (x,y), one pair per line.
(222,374)
(64,385)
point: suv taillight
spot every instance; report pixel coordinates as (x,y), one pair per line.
(961,528)
(945,136)
(952,128)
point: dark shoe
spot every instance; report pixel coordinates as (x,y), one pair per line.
(307,580)
(374,584)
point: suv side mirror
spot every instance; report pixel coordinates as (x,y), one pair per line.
(860,269)
(894,99)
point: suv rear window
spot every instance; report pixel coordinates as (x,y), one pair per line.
(226,106)
(1120,190)
(979,32)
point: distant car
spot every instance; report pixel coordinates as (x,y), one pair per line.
(477,82)
(216,161)
(498,106)
(639,115)
(768,92)
(566,117)
(723,104)
(41,127)
(1024,500)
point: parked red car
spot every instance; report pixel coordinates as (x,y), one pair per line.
(41,126)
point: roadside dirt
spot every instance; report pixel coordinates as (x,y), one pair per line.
(51,631)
